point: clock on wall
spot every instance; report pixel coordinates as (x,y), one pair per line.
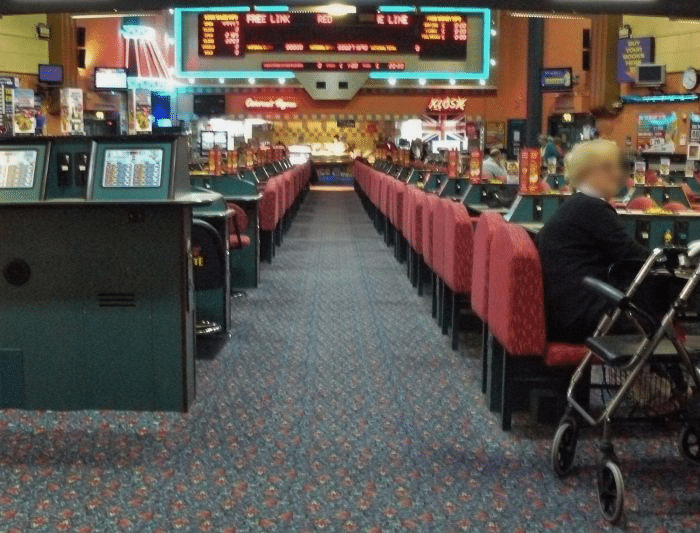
(690,79)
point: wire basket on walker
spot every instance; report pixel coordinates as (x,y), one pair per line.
(650,374)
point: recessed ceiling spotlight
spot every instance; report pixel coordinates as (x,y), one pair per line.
(422,81)
(494,32)
(221,80)
(482,82)
(453,81)
(251,81)
(282,81)
(191,80)
(493,62)
(392,81)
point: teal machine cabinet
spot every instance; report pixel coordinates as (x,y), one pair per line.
(244,262)
(435,181)
(658,230)
(484,193)
(96,287)
(662,194)
(454,188)
(535,207)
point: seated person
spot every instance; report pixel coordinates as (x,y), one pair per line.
(493,167)
(584,238)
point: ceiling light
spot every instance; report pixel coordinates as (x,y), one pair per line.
(453,81)
(111,15)
(493,62)
(171,11)
(482,83)
(251,81)
(282,81)
(191,80)
(494,32)
(337,10)
(392,81)
(537,15)
(422,81)
(221,80)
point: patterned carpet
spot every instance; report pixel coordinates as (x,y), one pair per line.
(336,406)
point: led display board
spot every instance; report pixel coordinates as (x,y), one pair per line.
(383,41)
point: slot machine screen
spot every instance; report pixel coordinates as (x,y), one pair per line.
(133,168)
(17,169)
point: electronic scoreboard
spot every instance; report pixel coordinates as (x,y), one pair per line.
(383,41)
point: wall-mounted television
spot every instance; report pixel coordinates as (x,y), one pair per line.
(110,79)
(651,75)
(209,105)
(51,74)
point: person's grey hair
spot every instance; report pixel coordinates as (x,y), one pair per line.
(585,155)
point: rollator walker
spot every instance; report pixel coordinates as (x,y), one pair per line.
(653,373)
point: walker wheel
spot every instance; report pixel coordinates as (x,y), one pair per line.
(564,447)
(611,491)
(689,443)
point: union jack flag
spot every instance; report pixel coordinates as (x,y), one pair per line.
(444,127)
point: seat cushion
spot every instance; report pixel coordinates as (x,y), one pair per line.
(485,229)
(559,354)
(234,242)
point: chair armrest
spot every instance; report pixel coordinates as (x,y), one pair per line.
(607,291)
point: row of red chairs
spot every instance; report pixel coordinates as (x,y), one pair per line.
(281,197)
(495,268)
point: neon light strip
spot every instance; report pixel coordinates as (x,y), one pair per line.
(285,74)
(396,9)
(271,9)
(660,98)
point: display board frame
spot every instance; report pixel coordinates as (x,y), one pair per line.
(97,191)
(35,193)
(482,74)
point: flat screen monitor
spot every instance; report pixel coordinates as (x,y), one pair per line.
(209,105)
(110,79)
(17,168)
(133,168)
(651,75)
(51,74)
(209,139)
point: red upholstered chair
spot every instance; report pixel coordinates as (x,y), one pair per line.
(693,199)
(457,269)
(430,204)
(397,210)
(524,359)
(438,236)
(485,229)
(640,203)
(417,221)
(268,213)
(238,225)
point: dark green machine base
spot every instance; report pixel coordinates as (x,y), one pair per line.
(104,316)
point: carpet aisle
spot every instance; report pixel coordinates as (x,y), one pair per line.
(336,406)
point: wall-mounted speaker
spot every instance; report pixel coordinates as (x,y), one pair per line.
(80,60)
(80,37)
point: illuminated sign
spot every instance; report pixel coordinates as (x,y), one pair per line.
(433,36)
(333,66)
(447,104)
(630,54)
(280,104)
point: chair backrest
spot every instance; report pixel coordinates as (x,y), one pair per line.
(640,203)
(238,223)
(268,207)
(409,200)
(516,293)
(429,207)
(209,256)
(417,219)
(675,207)
(485,229)
(458,248)
(398,207)
(439,226)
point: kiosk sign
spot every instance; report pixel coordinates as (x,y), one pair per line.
(447,104)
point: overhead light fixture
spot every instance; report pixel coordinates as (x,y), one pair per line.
(493,62)
(171,11)
(482,83)
(191,80)
(251,81)
(422,81)
(335,10)
(453,81)
(221,80)
(493,32)
(111,15)
(281,81)
(392,81)
(541,15)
